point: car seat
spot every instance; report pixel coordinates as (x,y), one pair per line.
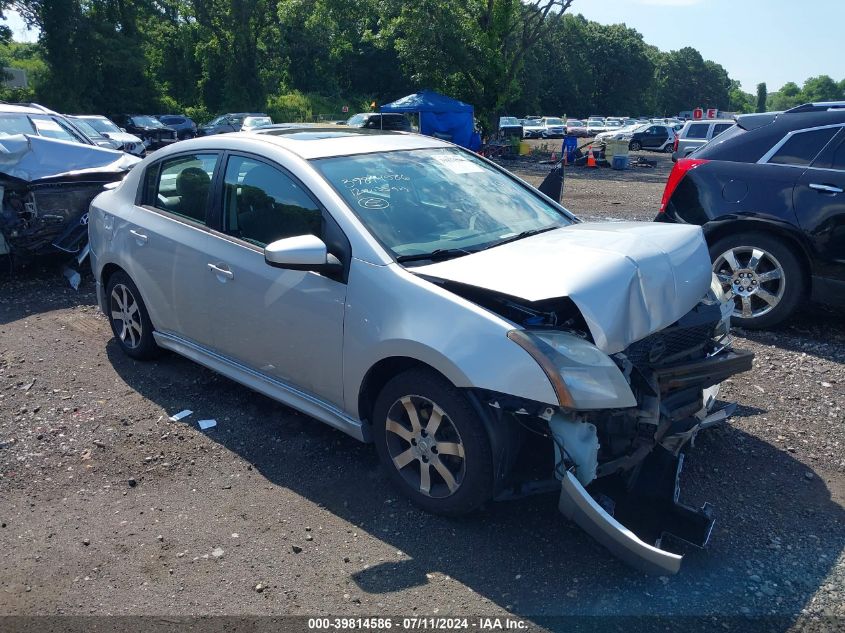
(192,185)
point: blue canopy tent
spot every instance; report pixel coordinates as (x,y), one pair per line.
(440,116)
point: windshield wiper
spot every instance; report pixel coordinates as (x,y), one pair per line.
(521,236)
(435,255)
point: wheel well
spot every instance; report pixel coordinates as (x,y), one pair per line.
(378,376)
(108,271)
(798,248)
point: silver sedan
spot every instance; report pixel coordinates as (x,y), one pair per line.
(411,294)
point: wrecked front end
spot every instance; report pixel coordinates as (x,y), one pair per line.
(623,425)
(46,187)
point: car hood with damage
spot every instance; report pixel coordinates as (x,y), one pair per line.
(31,158)
(628,279)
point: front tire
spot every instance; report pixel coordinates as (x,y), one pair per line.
(129,319)
(762,277)
(432,443)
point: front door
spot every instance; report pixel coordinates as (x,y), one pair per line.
(287,324)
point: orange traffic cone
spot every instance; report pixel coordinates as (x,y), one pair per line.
(591,159)
(565,158)
(554,156)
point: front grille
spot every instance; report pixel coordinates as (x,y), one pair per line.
(670,345)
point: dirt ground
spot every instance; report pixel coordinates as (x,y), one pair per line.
(107,507)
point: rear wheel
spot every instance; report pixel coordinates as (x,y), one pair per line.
(128,317)
(432,443)
(635,146)
(761,276)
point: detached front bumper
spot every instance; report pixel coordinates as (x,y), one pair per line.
(633,502)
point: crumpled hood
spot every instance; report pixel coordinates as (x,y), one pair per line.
(628,279)
(123,137)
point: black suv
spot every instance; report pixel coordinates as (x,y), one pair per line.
(149,129)
(377,121)
(770,197)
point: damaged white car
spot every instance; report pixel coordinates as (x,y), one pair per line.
(412,294)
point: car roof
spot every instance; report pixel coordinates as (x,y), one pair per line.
(325,142)
(16,109)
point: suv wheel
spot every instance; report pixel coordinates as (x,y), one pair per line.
(635,146)
(762,277)
(129,319)
(432,443)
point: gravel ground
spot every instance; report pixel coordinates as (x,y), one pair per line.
(107,507)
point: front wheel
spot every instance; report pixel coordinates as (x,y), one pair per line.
(635,146)
(762,277)
(432,443)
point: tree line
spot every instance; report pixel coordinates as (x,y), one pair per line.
(298,59)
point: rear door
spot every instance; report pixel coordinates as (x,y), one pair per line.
(655,136)
(820,206)
(166,237)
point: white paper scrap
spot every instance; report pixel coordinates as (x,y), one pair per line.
(207,424)
(180,415)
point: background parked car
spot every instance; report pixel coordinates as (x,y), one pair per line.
(770,196)
(184,126)
(656,137)
(253,122)
(576,127)
(510,126)
(229,122)
(696,134)
(100,140)
(108,128)
(39,121)
(595,127)
(553,127)
(379,121)
(531,128)
(152,132)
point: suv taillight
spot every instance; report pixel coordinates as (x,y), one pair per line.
(675,144)
(678,172)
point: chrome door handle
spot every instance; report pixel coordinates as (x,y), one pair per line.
(142,239)
(228,274)
(826,188)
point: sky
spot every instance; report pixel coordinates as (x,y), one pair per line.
(755,40)
(772,41)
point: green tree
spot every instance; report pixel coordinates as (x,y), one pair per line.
(788,96)
(822,88)
(762,96)
(685,80)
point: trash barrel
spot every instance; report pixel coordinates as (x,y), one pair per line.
(620,163)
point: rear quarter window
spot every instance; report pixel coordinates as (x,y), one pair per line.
(698,131)
(802,147)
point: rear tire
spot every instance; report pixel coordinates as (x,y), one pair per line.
(432,443)
(762,275)
(129,319)
(635,146)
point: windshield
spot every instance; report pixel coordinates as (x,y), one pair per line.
(40,124)
(357,120)
(421,201)
(574,123)
(146,121)
(256,121)
(553,121)
(508,120)
(87,128)
(102,125)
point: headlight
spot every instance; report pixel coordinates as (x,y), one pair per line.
(582,376)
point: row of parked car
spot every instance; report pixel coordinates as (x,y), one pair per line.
(131,133)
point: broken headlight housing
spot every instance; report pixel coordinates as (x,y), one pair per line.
(582,376)
(716,296)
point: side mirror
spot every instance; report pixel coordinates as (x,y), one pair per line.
(302,252)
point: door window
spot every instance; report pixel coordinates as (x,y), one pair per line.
(802,147)
(182,185)
(263,204)
(838,161)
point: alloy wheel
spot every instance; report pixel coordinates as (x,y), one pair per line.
(425,446)
(752,278)
(126,316)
